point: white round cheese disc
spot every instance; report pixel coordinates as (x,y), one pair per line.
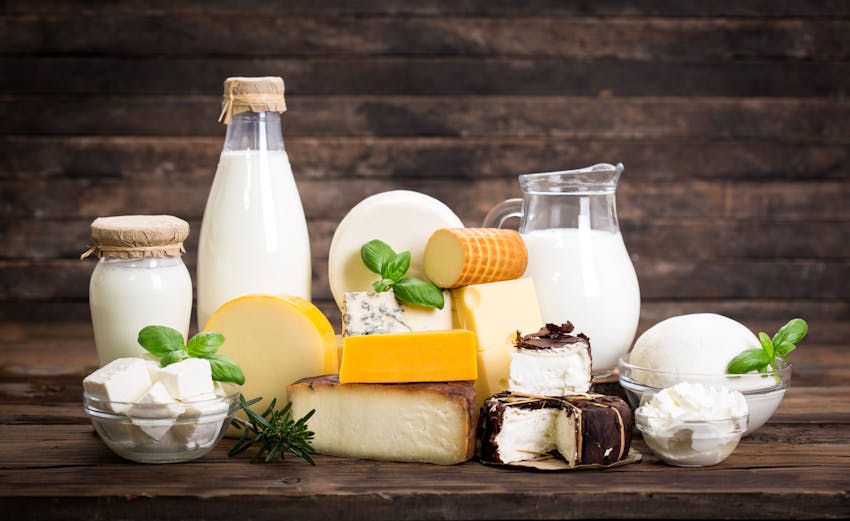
(401,218)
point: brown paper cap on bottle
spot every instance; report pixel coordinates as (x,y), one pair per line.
(138,236)
(241,94)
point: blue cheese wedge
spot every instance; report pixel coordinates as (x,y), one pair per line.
(371,313)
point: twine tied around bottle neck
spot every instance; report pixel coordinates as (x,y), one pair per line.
(251,95)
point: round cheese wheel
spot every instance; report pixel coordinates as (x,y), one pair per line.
(401,218)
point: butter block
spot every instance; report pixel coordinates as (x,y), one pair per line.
(494,312)
(187,378)
(433,356)
(371,313)
(418,422)
(121,380)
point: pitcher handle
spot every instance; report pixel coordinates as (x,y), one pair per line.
(503,211)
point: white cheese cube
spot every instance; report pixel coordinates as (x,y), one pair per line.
(153,368)
(187,378)
(557,371)
(121,380)
(156,403)
(204,419)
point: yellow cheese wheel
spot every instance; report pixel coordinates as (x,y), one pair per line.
(276,340)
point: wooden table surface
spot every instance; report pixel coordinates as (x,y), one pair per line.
(54,465)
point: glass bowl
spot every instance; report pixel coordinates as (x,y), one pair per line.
(163,433)
(763,391)
(691,443)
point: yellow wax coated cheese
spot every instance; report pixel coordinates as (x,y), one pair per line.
(276,341)
(495,312)
(432,356)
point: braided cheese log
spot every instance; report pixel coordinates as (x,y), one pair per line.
(456,257)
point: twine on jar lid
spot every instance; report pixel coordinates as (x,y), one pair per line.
(138,237)
(263,94)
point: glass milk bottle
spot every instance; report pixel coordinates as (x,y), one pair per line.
(139,281)
(254,235)
(576,256)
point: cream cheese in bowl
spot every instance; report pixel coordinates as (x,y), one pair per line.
(693,425)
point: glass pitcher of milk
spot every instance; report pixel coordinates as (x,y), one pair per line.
(577,257)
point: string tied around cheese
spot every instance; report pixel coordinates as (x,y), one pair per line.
(264,94)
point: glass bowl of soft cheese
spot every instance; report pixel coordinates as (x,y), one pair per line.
(697,348)
(693,425)
(152,414)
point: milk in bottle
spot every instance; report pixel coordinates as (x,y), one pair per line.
(254,234)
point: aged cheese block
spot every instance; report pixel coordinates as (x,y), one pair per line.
(276,341)
(401,218)
(495,312)
(419,422)
(582,429)
(371,313)
(432,356)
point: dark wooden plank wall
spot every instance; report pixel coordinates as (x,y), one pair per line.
(732,119)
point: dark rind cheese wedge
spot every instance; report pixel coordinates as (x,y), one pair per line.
(413,422)
(581,429)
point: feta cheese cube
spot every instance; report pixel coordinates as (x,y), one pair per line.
(122,380)
(204,419)
(187,378)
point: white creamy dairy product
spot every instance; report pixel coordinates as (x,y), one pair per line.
(585,276)
(699,343)
(693,424)
(254,235)
(126,295)
(556,371)
(187,378)
(207,419)
(527,433)
(122,380)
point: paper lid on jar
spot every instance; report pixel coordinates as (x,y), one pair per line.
(242,94)
(138,236)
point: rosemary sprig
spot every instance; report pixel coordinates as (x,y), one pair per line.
(274,431)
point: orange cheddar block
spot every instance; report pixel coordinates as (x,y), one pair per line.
(427,356)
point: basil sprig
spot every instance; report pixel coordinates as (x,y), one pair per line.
(772,349)
(167,344)
(380,258)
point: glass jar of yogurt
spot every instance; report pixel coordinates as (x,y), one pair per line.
(140,280)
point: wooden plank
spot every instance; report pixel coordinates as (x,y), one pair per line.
(471,199)
(172,159)
(585,38)
(43,239)
(433,75)
(548,8)
(823,121)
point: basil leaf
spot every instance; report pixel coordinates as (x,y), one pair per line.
(204,343)
(784,348)
(160,340)
(397,267)
(419,292)
(766,344)
(376,254)
(747,361)
(172,357)
(225,370)
(382,285)
(792,332)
